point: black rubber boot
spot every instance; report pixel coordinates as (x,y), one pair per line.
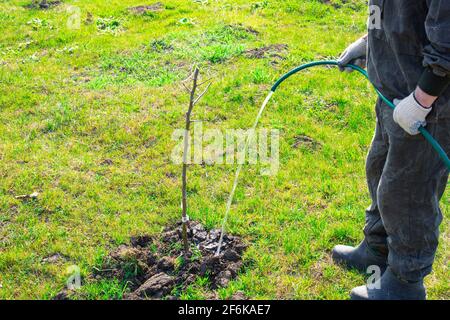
(359,258)
(390,288)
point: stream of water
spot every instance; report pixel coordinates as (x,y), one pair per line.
(238,172)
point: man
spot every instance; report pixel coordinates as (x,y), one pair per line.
(408,60)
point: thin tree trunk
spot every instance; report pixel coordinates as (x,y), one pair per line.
(186,152)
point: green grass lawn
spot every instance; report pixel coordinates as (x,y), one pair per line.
(86,118)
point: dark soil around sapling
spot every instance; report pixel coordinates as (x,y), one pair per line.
(155,268)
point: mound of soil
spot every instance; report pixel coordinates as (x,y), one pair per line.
(159,266)
(43,5)
(158,6)
(274,51)
(241,27)
(306,141)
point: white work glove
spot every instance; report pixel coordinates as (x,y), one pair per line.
(410,114)
(355,54)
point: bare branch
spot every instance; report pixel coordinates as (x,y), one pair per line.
(190,75)
(202,94)
(187,89)
(202,83)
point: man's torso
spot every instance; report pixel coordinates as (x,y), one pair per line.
(397,37)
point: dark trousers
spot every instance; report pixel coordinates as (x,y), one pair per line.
(406,180)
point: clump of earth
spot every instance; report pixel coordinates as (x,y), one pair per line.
(159,265)
(302,140)
(158,6)
(274,51)
(43,5)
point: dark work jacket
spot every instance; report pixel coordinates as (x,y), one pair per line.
(412,35)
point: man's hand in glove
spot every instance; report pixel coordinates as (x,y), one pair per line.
(355,54)
(411,112)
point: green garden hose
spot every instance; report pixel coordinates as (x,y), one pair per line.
(422,130)
(436,146)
